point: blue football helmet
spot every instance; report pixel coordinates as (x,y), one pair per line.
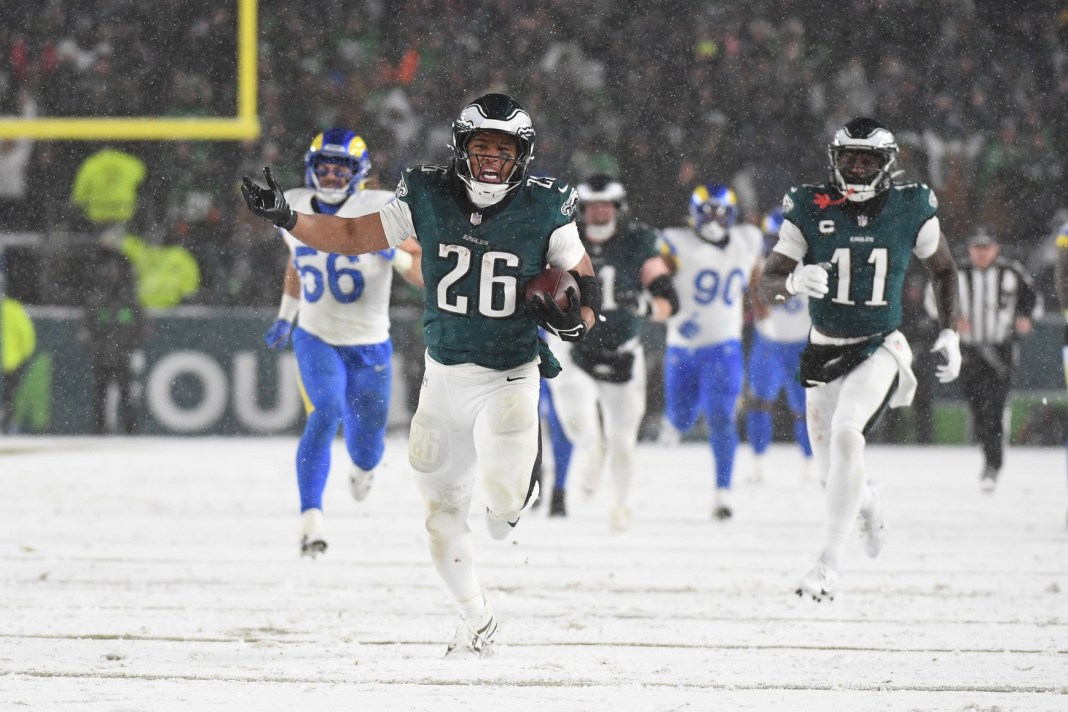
(772,223)
(713,211)
(339,147)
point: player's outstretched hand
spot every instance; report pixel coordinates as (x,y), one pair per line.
(277,336)
(268,203)
(568,325)
(948,344)
(810,280)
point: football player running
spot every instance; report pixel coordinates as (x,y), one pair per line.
(342,341)
(600,394)
(486,229)
(717,261)
(846,245)
(778,340)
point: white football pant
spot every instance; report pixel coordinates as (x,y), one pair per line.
(839,414)
(472,424)
(576,395)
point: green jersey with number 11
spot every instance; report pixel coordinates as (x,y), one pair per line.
(868,256)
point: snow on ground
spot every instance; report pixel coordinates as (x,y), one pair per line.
(163,574)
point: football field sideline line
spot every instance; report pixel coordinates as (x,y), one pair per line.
(288,639)
(541,682)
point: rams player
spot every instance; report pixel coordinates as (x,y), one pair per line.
(341,307)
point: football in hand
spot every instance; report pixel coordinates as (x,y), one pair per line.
(552,283)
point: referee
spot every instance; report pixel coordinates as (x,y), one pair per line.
(997,304)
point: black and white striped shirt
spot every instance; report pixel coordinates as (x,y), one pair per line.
(992,298)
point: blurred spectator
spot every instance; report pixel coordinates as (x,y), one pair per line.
(113,327)
(744,88)
(15,212)
(105,188)
(166,274)
(19,340)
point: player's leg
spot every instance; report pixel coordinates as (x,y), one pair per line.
(127,415)
(997,395)
(682,383)
(795,396)
(442,455)
(322,380)
(574,394)
(101,376)
(506,444)
(721,386)
(561,452)
(765,381)
(862,395)
(973,375)
(623,409)
(368,378)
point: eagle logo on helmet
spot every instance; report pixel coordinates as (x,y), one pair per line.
(499,113)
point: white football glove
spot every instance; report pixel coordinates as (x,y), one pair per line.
(810,280)
(948,344)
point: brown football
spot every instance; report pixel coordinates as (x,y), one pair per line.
(553,283)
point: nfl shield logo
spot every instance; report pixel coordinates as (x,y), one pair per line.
(862,220)
(476,218)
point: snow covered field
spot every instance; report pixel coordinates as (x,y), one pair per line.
(163,574)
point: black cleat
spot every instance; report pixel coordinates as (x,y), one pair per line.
(558,504)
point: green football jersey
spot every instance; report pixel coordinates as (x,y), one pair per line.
(868,257)
(476,266)
(618,265)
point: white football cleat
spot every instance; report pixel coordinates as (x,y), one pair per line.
(989,480)
(472,642)
(619,518)
(312,533)
(872,526)
(360,482)
(668,436)
(818,583)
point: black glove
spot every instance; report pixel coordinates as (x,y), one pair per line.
(568,325)
(639,304)
(268,203)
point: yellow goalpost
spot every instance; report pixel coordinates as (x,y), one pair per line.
(245,125)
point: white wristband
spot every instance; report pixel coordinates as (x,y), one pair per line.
(402,261)
(289,308)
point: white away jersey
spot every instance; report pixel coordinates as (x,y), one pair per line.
(787,322)
(344,300)
(710,282)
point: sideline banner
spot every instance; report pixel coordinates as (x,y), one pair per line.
(203,371)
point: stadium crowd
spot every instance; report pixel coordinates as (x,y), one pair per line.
(684,92)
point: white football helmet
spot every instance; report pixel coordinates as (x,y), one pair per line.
(862,155)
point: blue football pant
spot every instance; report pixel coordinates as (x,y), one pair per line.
(773,368)
(561,446)
(342,385)
(706,381)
